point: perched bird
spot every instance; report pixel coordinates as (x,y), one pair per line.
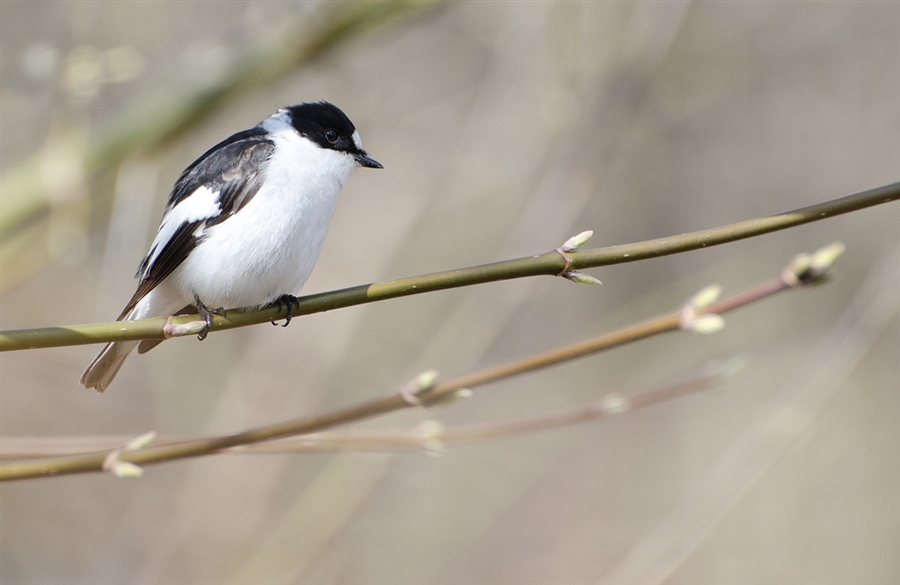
(245,223)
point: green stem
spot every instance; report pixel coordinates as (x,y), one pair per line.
(551,263)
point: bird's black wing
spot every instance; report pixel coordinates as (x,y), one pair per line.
(232,173)
(226,166)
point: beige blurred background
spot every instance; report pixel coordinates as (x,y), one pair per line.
(504,129)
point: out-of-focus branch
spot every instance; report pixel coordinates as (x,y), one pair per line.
(700,313)
(555,263)
(25,198)
(430,436)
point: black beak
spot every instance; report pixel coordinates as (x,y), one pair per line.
(364,161)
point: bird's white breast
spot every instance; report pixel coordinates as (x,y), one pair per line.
(270,246)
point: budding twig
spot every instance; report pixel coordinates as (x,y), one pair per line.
(425,390)
(124,469)
(429,436)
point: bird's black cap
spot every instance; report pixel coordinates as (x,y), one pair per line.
(329,127)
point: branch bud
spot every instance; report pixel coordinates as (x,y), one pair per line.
(706,324)
(705,297)
(140,442)
(689,320)
(124,469)
(614,403)
(824,258)
(412,392)
(580,277)
(576,242)
(810,269)
(450,398)
(429,434)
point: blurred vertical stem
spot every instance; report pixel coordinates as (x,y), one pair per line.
(26,201)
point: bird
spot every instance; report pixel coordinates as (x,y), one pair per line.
(244,224)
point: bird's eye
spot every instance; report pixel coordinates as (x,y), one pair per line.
(331,135)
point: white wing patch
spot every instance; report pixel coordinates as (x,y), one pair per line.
(201,204)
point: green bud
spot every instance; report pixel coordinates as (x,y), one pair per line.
(706,296)
(125,470)
(576,242)
(581,277)
(706,324)
(138,443)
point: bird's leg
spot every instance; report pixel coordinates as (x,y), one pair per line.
(286,301)
(207,315)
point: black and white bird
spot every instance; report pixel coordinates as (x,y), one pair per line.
(245,223)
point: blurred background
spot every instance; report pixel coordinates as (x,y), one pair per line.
(504,129)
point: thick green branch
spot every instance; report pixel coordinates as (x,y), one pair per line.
(551,263)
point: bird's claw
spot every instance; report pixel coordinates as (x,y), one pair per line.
(207,315)
(286,302)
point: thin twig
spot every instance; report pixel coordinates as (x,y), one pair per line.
(428,436)
(802,271)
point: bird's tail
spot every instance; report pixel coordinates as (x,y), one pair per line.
(100,373)
(106,365)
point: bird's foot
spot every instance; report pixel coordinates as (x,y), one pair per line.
(207,315)
(286,302)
